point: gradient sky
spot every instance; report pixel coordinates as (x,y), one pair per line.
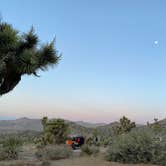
(111,64)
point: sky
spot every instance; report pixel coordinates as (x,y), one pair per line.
(113,60)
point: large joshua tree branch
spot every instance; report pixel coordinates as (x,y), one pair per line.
(21,54)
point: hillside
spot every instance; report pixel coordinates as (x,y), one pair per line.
(163,122)
(23,125)
(89,125)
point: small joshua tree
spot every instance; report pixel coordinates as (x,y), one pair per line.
(124,126)
(54,131)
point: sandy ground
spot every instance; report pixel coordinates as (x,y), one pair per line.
(89,161)
(27,158)
(80,161)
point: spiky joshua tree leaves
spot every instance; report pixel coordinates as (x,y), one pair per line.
(20,55)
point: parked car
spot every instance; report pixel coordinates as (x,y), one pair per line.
(75,141)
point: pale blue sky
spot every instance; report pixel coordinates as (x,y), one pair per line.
(110,65)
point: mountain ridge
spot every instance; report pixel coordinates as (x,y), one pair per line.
(27,124)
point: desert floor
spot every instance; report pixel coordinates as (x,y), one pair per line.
(80,161)
(28,159)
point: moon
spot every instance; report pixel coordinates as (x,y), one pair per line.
(156,42)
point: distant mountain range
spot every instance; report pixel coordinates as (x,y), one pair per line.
(90,125)
(18,125)
(26,124)
(34,125)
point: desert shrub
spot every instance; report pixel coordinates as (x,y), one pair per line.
(10,148)
(3,154)
(90,150)
(140,146)
(159,157)
(106,141)
(12,142)
(46,163)
(56,152)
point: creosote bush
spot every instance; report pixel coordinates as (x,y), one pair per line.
(141,146)
(55,152)
(46,163)
(90,150)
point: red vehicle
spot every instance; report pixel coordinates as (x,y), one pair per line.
(75,141)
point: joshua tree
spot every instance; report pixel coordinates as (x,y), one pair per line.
(124,126)
(20,55)
(54,131)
